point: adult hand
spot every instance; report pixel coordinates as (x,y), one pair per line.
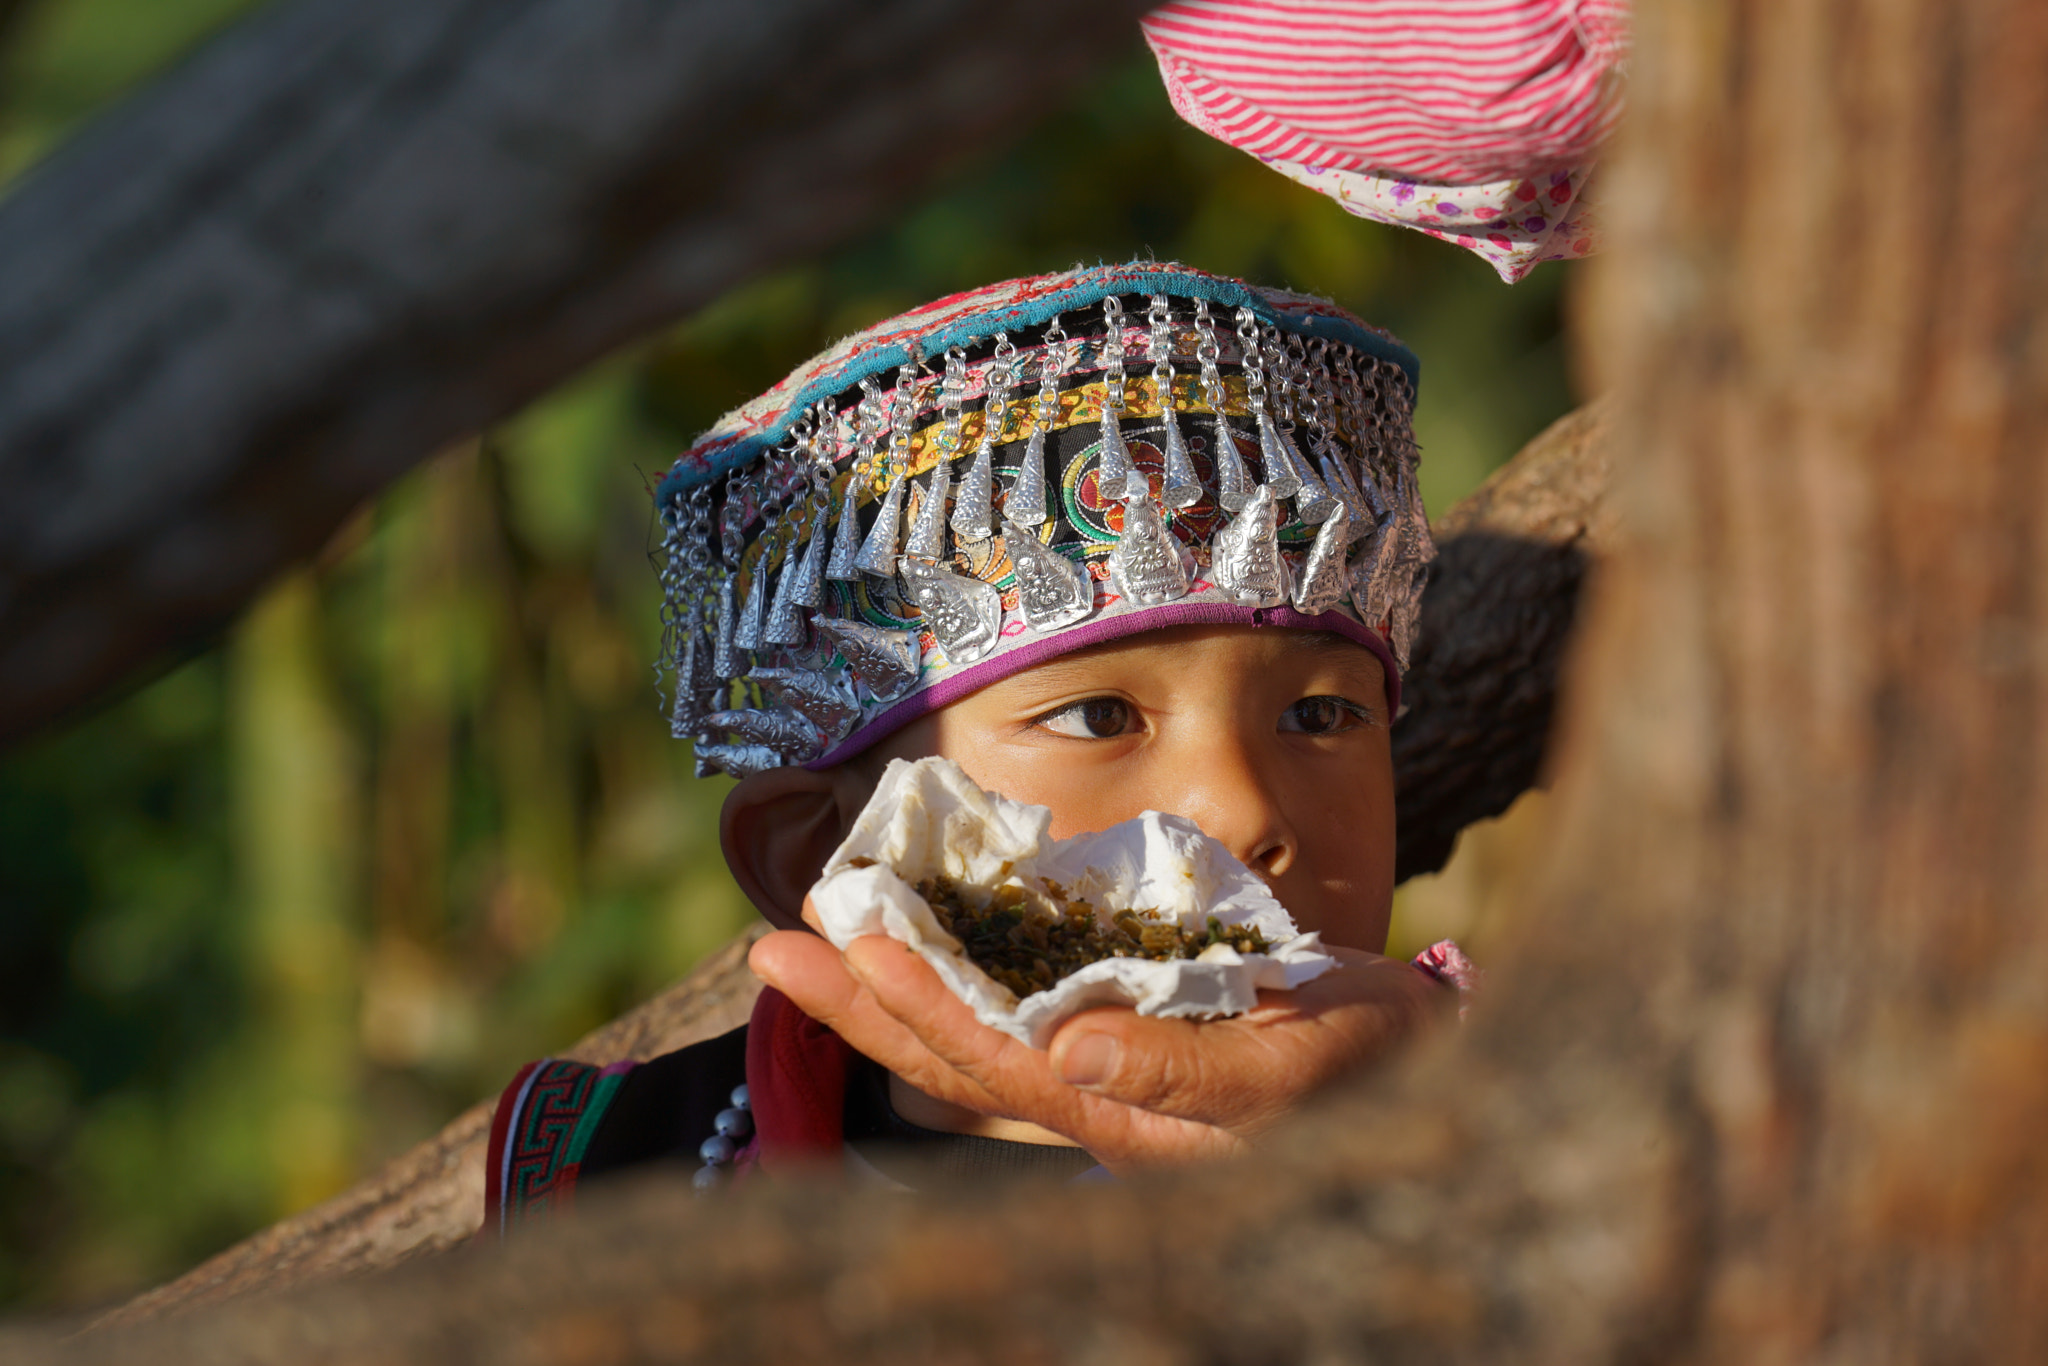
(1131,1089)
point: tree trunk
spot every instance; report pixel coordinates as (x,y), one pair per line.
(351,231)
(1764,1074)
(1809,766)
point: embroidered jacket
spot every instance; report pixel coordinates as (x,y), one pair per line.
(560,1122)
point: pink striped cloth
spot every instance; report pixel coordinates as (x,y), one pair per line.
(1476,121)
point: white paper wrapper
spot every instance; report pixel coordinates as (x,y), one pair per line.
(928,819)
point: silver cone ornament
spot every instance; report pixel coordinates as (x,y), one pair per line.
(878,553)
(828,703)
(883,661)
(746,633)
(689,699)
(1337,478)
(1233,480)
(844,566)
(928,531)
(785,624)
(1324,581)
(1281,475)
(1181,489)
(974,502)
(1245,563)
(810,575)
(1312,502)
(1025,506)
(737,761)
(786,732)
(1113,467)
(725,661)
(702,672)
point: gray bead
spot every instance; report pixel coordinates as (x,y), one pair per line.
(739,1096)
(717,1150)
(736,1125)
(707,1178)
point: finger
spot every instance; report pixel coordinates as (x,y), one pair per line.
(1374,982)
(813,975)
(1019,1077)
(1245,1072)
(1193,1071)
(906,987)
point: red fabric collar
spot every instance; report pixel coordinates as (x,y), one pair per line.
(796,1084)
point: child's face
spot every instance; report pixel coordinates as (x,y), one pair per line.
(1273,741)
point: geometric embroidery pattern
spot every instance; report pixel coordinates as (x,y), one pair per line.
(557,1105)
(540,1136)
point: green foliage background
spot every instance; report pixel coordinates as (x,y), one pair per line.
(281,912)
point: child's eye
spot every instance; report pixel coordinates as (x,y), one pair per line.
(1095,718)
(1323,716)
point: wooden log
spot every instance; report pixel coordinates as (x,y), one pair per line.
(349,232)
(431,1199)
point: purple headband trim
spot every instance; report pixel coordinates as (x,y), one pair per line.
(976,677)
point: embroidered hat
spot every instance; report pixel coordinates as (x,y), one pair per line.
(1026,469)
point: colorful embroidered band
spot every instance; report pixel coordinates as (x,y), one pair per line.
(1028,469)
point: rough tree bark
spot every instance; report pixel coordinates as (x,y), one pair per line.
(1513,557)
(1764,1074)
(351,231)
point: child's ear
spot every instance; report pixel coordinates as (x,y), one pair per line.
(777,829)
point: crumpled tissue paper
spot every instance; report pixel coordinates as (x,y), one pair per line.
(929,819)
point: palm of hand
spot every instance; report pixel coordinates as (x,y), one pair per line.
(1132,1090)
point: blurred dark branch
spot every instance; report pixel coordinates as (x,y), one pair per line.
(1483,682)
(11,12)
(351,231)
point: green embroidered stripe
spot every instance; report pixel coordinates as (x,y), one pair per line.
(593,1115)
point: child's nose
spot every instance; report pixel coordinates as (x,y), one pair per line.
(1232,796)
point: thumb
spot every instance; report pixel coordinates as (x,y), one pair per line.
(1169,1067)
